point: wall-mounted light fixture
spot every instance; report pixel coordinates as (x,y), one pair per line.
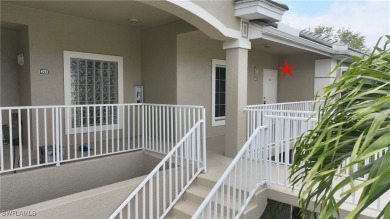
(133,21)
(255,73)
(20,59)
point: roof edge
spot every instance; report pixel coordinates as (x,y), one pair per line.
(281,5)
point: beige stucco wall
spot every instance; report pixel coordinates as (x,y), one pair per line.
(51,33)
(16,84)
(0,67)
(159,62)
(262,60)
(24,76)
(213,17)
(222,10)
(48,34)
(194,55)
(24,71)
(9,68)
(51,182)
(301,87)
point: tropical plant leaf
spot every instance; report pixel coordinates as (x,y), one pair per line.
(350,142)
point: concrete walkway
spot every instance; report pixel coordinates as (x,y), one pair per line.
(94,203)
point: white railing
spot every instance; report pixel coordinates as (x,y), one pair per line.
(165,125)
(46,135)
(258,117)
(294,106)
(162,188)
(237,185)
(255,113)
(279,156)
(283,135)
(266,158)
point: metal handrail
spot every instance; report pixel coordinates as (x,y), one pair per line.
(155,171)
(228,171)
(100,129)
(279,104)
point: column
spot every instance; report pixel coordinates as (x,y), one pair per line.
(236,95)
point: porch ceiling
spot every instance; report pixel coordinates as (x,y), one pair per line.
(258,44)
(276,48)
(117,12)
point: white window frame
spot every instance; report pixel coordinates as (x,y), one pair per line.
(216,121)
(67,89)
(341,71)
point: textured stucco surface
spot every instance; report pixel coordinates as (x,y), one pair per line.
(52,33)
(45,183)
(195,52)
(9,68)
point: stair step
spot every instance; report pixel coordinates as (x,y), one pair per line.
(256,206)
(184,209)
(202,181)
(250,207)
(197,193)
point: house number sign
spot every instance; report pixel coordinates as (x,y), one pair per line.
(44,71)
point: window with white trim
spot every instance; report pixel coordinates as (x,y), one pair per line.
(91,79)
(341,71)
(218,92)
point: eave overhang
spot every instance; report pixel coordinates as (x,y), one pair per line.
(264,10)
(275,35)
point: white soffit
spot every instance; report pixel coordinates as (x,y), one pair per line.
(287,29)
(339,47)
(262,10)
(276,35)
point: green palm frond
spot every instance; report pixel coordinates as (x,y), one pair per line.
(353,127)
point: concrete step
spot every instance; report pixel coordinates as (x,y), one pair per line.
(170,217)
(233,204)
(250,207)
(205,182)
(257,205)
(229,213)
(197,193)
(184,209)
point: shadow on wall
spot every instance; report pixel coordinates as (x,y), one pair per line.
(30,187)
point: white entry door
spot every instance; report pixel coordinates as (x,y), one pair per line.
(270,86)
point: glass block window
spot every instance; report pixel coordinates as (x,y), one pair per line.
(218,92)
(91,79)
(94,82)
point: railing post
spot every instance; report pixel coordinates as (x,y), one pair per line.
(142,108)
(204,139)
(270,141)
(57,130)
(1,142)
